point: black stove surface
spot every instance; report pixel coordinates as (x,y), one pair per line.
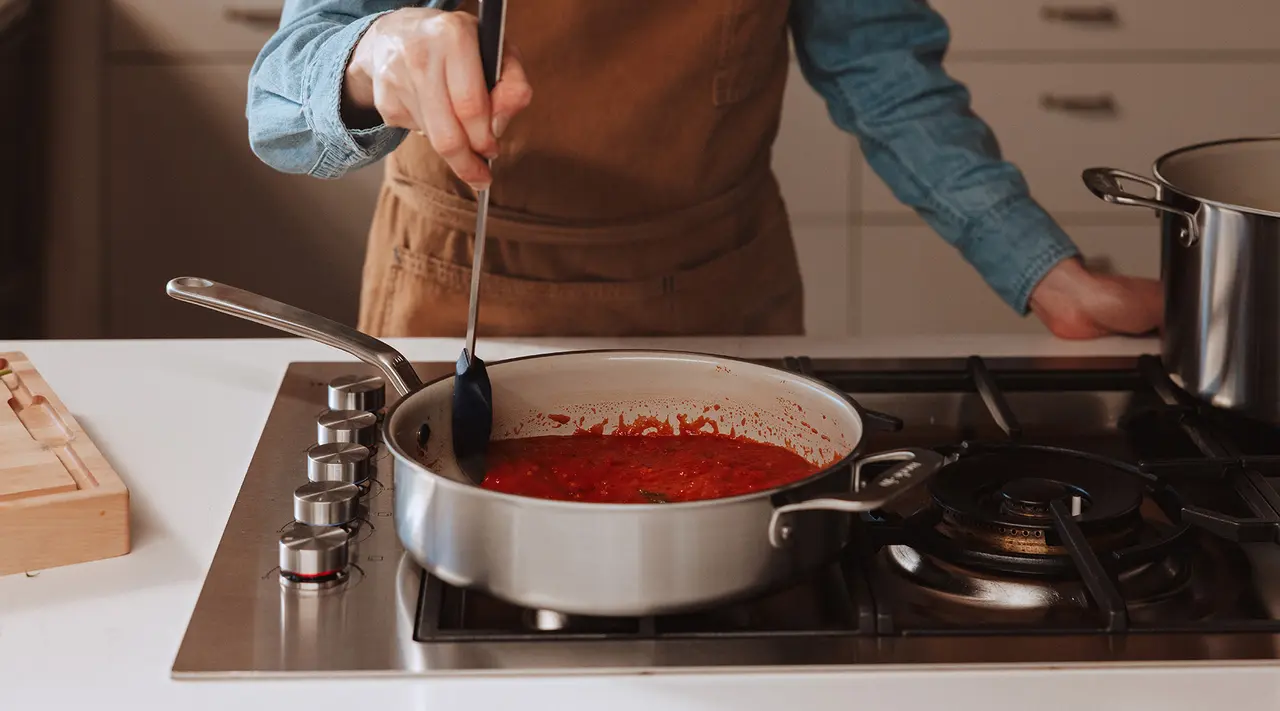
(1168,496)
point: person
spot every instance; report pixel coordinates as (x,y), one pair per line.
(631,187)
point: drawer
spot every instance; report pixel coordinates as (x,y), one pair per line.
(186,196)
(1053,120)
(824,255)
(192,26)
(947,296)
(813,159)
(1128,25)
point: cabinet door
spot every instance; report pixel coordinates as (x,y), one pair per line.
(186,196)
(192,26)
(824,255)
(812,158)
(946,296)
(1124,25)
(1054,120)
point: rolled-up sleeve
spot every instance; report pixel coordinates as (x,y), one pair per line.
(294,104)
(878,66)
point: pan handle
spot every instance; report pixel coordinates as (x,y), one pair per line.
(290,319)
(1104,183)
(917,466)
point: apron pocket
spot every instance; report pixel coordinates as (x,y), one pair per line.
(753,43)
(433,294)
(501,287)
(747,290)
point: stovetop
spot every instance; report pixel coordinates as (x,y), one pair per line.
(1094,514)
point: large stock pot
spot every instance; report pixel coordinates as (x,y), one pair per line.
(1219,210)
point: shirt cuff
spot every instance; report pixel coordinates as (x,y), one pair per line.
(345,148)
(1013,246)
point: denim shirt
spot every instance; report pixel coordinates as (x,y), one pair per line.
(876,63)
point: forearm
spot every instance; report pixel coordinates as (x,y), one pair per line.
(878,63)
(295,94)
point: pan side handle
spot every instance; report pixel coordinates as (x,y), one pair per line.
(917,466)
(291,319)
(1105,184)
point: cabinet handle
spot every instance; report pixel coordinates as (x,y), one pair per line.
(1081,14)
(1096,104)
(254,17)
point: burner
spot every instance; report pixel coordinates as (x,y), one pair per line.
(999,501)
(988,543)
(1180,586)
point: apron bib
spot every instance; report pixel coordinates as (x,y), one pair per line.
(633,197)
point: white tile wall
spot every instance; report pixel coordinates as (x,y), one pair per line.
(814,162)
(825,265)
(812,158)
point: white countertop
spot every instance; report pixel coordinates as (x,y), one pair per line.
(180,421)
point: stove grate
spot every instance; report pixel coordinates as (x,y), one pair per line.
(1206,483)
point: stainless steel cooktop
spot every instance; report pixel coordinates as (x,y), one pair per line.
(1167,554)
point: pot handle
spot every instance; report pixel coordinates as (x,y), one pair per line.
(291,319)
(1103,183)
(917,466)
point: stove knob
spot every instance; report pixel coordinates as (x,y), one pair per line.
(344,462)
(357,392)
(347,426)
(313,553)
(325,503)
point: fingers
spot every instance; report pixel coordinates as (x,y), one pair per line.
(469,95)
(426,75)
(512,93)
(445,131)
(390,90)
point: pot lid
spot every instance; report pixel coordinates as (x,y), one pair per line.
(1241,173)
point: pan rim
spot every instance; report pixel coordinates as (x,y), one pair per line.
(844,462)
(1164,160)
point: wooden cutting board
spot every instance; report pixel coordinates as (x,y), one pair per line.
(60,500)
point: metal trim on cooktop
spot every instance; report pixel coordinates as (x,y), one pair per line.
(245,624)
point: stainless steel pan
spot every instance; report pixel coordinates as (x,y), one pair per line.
(612,559)
(1219,208)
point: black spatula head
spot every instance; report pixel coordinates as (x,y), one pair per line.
(472,416)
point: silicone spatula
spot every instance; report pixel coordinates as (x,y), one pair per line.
(472,393)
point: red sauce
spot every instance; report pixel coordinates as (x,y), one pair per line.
(635,468)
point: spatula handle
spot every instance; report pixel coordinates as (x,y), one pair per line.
(493,20)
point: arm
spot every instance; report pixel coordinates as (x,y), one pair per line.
(295,99)
(878,65)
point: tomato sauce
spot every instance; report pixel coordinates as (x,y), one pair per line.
(639,468)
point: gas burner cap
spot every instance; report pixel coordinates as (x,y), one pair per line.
(1031,497)
(999,499)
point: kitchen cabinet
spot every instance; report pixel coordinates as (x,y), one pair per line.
(152,176)
(1082,27)
(824,252)
(187,28)
(186,196)
(21,275)
(816,170)
(1067,86)
(1054,119)
(915,283)
(813,159)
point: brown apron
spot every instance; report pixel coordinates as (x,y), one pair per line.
(634,197)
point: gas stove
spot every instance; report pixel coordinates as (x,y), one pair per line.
(1093,514)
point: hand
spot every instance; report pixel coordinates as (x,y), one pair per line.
(420,69)
(1077,304)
